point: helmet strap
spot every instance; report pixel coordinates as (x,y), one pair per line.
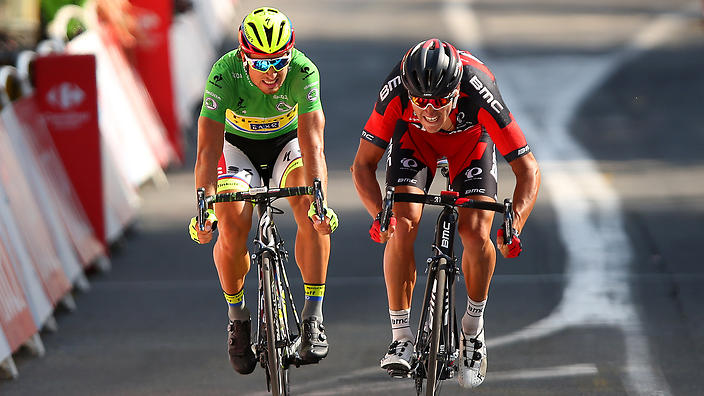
(456,98)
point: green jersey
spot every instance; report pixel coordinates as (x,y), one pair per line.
(231,97)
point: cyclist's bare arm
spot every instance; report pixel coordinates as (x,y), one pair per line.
(527,174)
(364,175)
(210,142)
(311,128)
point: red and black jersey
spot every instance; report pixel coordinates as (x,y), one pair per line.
(479,107)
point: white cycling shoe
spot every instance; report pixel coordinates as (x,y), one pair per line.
(398,357)
(473,361)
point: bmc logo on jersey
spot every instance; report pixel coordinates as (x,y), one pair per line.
(389,86)
(486,94)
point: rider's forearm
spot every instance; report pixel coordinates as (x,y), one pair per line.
(526,192)
(206,171)
(364,176)
(315,166)
(210,142)
(311,132)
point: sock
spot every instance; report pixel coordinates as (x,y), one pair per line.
(236,309)
(473,319)
(313,305)
(400,325)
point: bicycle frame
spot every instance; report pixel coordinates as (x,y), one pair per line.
(448,341)
(275,343)
(270,257)
(437,340)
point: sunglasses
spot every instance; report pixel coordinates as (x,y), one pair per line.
(436,103)
(263,65)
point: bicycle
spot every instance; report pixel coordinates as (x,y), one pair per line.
(437,341)
(276,343)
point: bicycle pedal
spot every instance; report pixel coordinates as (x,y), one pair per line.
(298,362)
(399,373)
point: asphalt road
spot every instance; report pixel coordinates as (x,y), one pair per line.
(606,299)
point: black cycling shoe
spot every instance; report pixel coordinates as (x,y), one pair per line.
(239,346)
(314,342)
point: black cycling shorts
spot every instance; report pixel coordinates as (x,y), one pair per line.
(413,156)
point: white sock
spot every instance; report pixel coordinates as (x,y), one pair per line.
(400,326)
(473,319)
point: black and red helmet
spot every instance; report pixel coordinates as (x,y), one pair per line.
(431,69)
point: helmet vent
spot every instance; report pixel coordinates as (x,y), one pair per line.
(282,25)
(256,33)
(269,31)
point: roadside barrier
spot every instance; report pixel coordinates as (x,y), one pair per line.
(128,121)
(73,156)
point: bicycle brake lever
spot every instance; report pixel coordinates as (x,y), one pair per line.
(386,212)
(508,221)
(318,198)
(202,208)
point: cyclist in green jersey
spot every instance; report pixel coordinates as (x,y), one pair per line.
(262,122)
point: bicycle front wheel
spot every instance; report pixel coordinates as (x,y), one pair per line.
(435,363)
(278,375)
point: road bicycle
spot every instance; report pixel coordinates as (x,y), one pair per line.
(437,344)
(276,341)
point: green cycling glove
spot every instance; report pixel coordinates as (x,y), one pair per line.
(329,213)
(193,226)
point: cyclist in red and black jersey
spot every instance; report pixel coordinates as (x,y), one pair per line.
(440,102)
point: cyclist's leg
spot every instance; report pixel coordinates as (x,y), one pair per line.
(399,255)
(400,278)
(473,175)
(410,169)
(312,251)
(235,173)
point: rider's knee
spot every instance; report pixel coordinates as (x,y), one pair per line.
(473,237)
(233,233)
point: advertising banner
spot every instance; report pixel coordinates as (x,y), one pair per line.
(152,55)
(67,97)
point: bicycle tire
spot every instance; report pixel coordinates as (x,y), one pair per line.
(273,360)
(432,374)
(282,331)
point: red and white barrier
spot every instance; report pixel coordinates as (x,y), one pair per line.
(39,303)
(50,230)
(15,318)
(128,120)
(69,209)
(33,211)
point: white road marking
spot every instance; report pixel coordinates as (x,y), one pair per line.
(572,370)
(589,221)
(336,386)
